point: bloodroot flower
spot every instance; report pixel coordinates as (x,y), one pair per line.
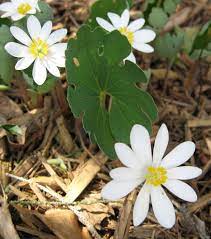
(155,172)
(136,37)
(40,47)
(17,9)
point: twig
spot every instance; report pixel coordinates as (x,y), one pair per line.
(79,214)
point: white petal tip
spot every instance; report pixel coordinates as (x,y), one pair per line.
(135,223)
(126,11)
(193,197)
(168,226)
(17,68)
(105,195)
(163,126)
(199,171)
(138,126)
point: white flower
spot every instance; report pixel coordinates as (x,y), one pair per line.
(154,172)
(40,47)
(17,9)
(136,37)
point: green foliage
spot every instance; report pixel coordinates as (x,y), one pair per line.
(12,129)
(105,92)
(46,87)
(167,46)
(158,18)
(189,36)
(203,38)
(45,13)
(6,61)
(101,7)
(158,12)
(169,6)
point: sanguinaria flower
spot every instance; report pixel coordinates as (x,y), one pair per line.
(154,172)
(40,47)
(136,37)
(17,9)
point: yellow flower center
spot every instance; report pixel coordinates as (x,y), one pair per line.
(23,8)
(130,35)
(156,176)
(39,48)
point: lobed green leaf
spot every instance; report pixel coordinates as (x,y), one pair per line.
(104,90)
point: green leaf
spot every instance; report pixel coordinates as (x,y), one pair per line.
(45,14)
(104,91)
(147,8)
(46,87)
(6,61)
(190,34)
(167,46)
(158,18)
(12,129)
(101,7)
(203,38)
(169,6)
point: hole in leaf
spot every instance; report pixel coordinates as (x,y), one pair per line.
(101,50)
(76,61)
(105,100)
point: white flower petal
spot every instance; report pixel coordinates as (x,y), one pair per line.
(136,25)
(123,173)
(141,206)
(57,36)
(181,190)
(20,35)
(178,155)
(126,155)
(58,61)
(16,49)
(115,19)
(34,27)
(16,2)
(184,172)
(58,49)
(125,17)
(17,16)
(46,30)
(6,7)
(162,207)
(24,63)
(105,24)
(39,72)
(52,68)
(161,143)
(144,36)
(131,58)
(146,48)
(7,14)
(115,190)
(141,145)
(32,11)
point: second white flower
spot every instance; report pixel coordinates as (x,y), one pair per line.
(41,47)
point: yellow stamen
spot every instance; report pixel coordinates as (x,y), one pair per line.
(23,8)
(156,176)
(39,48)
(130,35)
